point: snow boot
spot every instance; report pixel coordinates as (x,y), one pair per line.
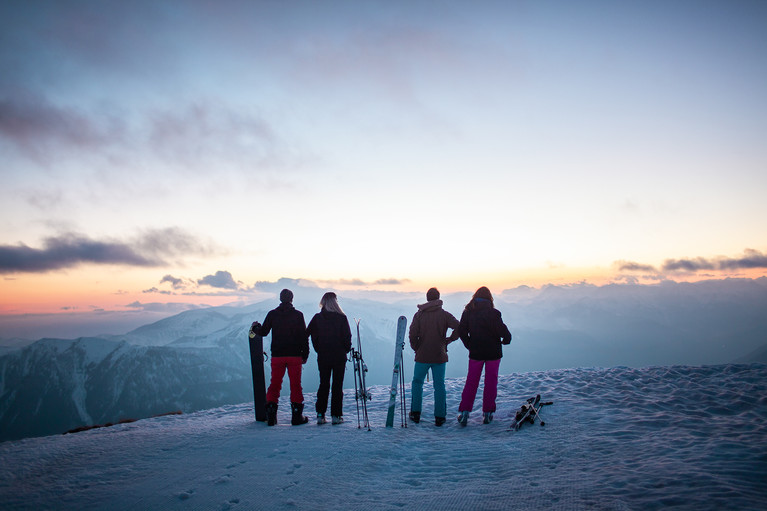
(463,418)
(271,413)
(321,419)
(439,421)
(415,417)
(298,414)
(488,418)
(337,419)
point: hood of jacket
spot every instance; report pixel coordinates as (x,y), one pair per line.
(431,305)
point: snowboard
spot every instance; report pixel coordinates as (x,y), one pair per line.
(257,356)
(395,379)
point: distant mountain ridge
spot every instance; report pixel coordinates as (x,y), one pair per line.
(199,358)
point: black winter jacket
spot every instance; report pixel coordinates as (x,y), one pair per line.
(483,331)
(288,329)
(331,336)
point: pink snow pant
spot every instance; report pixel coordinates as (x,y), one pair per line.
(472,384)
(293,366)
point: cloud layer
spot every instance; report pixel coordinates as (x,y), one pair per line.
(150,249)
(751,259)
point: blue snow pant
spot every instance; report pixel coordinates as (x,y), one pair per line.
(416,389)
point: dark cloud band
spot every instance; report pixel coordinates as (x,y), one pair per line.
(151,249)
(751,259)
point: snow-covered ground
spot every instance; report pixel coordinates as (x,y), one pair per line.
(615,439)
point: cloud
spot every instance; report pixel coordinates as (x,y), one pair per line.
(175,282)
(689,265)
(361,283)
(751,259)
(163,307)
(192,136)
(222,279)
(34,125)
(632,266)
(151,248)
(391,282)
(282,283)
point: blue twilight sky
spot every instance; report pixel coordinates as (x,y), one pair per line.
(179,151)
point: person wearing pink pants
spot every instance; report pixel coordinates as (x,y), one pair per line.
(483,333)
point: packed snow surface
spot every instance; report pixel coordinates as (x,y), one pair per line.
(615,439)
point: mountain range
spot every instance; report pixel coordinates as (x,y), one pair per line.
(200,359)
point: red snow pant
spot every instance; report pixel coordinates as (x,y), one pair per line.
(293,365)
(490,391)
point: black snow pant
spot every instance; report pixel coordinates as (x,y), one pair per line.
(336,369)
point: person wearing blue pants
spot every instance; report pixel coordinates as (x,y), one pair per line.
(428,338)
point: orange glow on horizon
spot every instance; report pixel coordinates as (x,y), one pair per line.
(113,291)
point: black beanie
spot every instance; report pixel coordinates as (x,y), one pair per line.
(432,294)
(286,296)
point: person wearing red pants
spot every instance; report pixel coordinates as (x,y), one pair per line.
(482,332)
(290,350)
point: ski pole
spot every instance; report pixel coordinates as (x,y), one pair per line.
(539,407)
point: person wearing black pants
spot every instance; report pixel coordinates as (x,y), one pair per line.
(332,340)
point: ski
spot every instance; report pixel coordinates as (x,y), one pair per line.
(526,413)
(397,376)
(361,394)
(257,358)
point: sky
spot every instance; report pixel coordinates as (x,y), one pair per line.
(161,155)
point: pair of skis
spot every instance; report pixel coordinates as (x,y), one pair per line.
(528,412)
(361,393)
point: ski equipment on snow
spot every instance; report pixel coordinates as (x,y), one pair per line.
(361,394)
(528,412)
(398,376)
(257,358)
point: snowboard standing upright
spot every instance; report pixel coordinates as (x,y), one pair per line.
(397,376)
(257,356)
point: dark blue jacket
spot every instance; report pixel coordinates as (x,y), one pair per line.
(483,331)
(288,329)
(331,336)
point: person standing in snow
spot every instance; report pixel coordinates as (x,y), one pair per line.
(290,350)
(332,340)
(428,339)
(482,332)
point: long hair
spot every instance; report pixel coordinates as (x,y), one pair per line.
(482,293)
(329,302)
